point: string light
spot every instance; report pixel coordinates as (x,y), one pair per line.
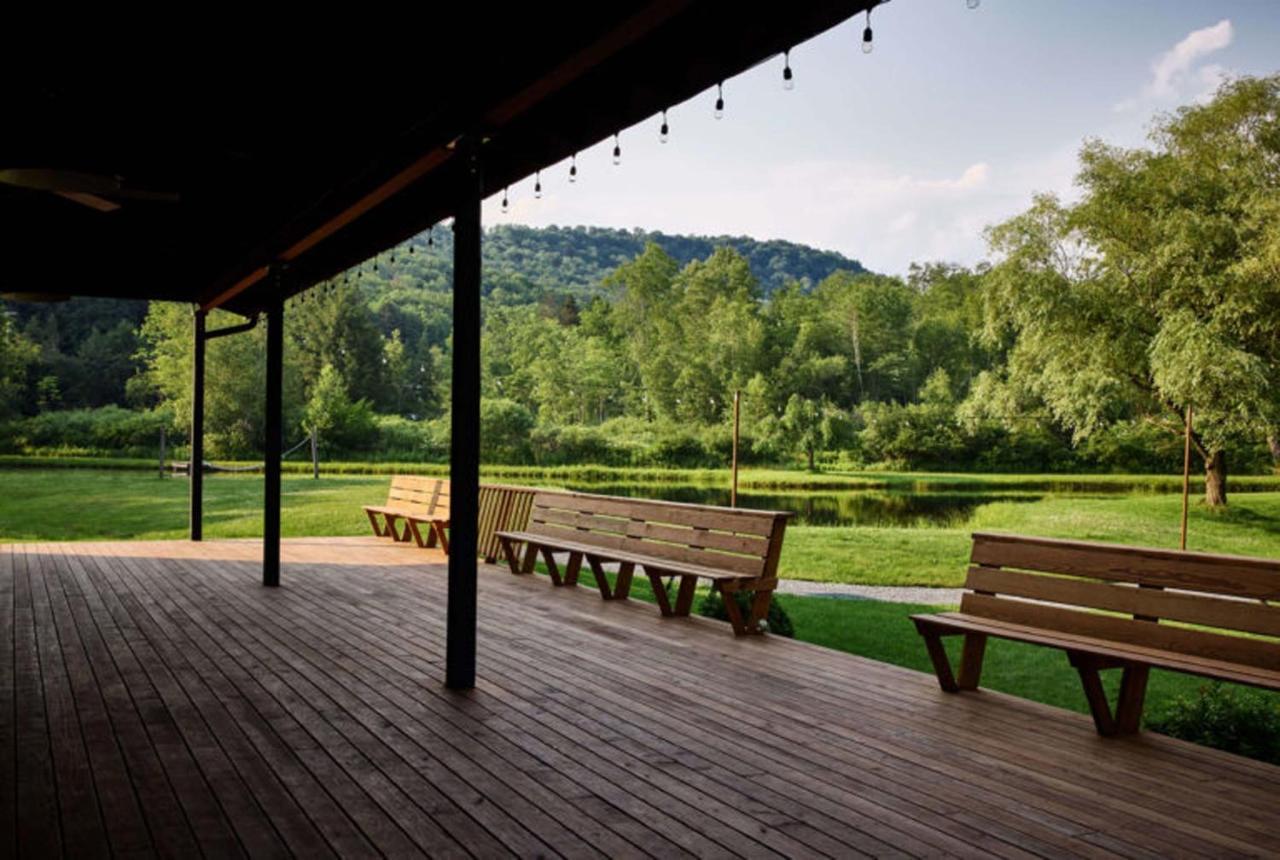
(537,185)
(431,235)
(617,150)
(866,36)
(719,114)
(788,79)
(410,250)
(573,167)
(505,204)
(665,131)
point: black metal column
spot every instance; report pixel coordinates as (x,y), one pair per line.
(195,468)
(464,455)
(274,444)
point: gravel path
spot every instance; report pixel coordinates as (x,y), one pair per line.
(840,591)
(889,593)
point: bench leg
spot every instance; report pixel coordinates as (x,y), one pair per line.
(1133,694)
(572,568)
(732,610)
(530,558)
(660,592)
(378,530)
(411,530)
(552,568)
(1096,696)
(509,552)
(438,529)
(602,581)
(975,646)
(938,656)
(622,585)
(430,541)
(684,597)
(394,532)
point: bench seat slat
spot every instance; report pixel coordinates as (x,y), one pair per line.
(1193,643)
(1224,670)
(567,544)
(1196,608)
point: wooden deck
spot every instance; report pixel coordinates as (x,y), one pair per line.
(158,700)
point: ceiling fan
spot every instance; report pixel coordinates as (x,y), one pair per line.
(95,190)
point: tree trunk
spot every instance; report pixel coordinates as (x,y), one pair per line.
(1273,444)
(810,452)
(1215,479)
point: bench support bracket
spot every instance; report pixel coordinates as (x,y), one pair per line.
(1127,718)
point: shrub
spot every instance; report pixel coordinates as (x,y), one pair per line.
(107,430)
(1233,719)
(712,606)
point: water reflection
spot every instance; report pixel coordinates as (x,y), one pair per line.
(842,508)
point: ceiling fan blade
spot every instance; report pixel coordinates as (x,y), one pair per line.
(68,182)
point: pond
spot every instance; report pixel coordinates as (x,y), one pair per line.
(893,508)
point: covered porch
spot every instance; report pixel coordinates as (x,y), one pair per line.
(160,703)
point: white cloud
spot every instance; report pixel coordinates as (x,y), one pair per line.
(1176,74)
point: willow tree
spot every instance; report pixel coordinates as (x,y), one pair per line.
(1160,287)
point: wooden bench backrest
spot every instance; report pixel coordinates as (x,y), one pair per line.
(428,497)
(741,541)
(1119,593)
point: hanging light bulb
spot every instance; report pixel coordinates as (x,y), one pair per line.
(617,150)
(537,185)
(788,79)
(866,35)
(431,235)
(505,203)
(665,131)
(719,114)
(573,167)
(410,250)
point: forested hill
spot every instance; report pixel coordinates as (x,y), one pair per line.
(577,259)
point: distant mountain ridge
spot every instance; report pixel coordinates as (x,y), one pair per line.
(577,259)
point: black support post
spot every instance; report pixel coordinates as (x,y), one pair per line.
(195,467)
(274,443)
(464,455)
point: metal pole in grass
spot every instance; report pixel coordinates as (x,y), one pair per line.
(315,455)
(1186,477)
(733,493)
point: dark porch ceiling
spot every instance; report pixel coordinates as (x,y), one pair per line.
(221,166)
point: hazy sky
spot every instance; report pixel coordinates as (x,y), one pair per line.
(905,154)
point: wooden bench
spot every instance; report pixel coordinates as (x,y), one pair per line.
(1115,607)
(417,501)
(737,550)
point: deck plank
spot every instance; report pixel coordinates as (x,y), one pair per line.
(158,700)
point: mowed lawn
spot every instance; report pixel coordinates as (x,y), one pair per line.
(937,556)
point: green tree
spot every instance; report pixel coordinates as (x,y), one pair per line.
(235,378)
(1161,288)
(334,417)
(17,355)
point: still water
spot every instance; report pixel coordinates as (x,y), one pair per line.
(902,509)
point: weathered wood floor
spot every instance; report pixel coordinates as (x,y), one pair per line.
(156,699)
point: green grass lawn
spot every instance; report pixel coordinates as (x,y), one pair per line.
(937,556)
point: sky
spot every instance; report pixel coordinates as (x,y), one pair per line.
(953,121)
